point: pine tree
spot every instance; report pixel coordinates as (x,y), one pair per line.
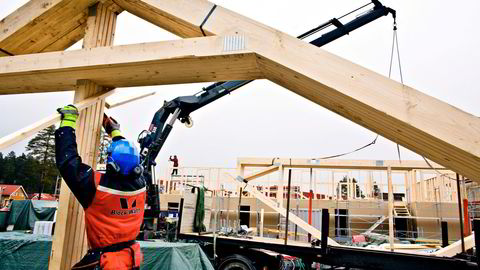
(9,168)
(42,148)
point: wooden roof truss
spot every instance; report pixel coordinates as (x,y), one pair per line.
(219,45)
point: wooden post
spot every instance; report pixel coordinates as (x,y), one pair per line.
(423,185)
(69,242)
(413,180)
(369,185)
(332,179)
(460,216)
(310,208)
(280,187)
(262,216)
(390,208)
(240,172)
(407,188)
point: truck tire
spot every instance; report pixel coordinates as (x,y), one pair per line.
(236,262)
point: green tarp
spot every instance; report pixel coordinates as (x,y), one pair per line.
(20,251)
(24,213)
(171,256)
(3,220)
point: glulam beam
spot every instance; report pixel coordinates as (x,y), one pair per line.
(37,24)
(69,243)
(421,123)
(43,26)
(166,62)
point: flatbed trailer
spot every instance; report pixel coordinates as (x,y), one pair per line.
(334,255)
(249,253)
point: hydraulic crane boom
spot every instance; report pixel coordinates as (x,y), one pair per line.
(151,141)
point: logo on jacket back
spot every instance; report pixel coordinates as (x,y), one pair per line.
(125,209)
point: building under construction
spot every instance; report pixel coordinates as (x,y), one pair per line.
(267,213)
(355,191)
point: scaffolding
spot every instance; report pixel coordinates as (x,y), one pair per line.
(357,196)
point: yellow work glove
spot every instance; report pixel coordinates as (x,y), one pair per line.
(69,115)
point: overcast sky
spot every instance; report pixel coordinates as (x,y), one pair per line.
(439,46)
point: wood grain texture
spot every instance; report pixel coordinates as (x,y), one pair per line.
(38,24)
(44,26)
(419,122)
(69,243)
(456,247)
(168,62)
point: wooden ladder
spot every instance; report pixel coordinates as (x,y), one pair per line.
(400,209)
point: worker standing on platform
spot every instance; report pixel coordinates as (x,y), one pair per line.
(175,164)
(114,202)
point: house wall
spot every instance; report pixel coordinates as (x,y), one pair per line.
(362,214)
(17,195)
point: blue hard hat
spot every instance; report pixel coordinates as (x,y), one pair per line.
(123,156)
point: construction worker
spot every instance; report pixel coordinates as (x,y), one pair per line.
(175,164)
(114,201)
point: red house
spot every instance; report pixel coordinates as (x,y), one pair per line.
(11,192)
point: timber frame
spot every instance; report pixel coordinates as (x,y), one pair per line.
(236,48)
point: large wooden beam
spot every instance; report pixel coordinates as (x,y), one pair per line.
(168,62)
(419,122)
(69,243)
(41,26)
(262,172)
(390,209)
(37,24)
(404,115)
(405,165)
(456,247)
